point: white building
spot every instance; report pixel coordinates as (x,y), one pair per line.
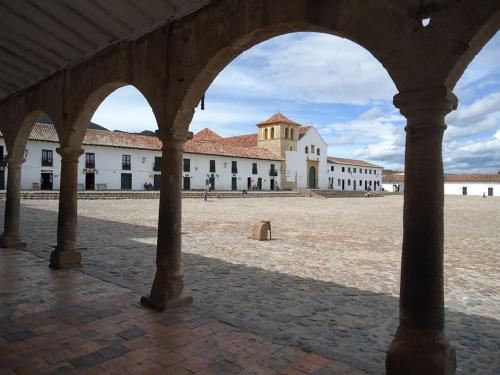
(351,174)
(282,154)
(478,184)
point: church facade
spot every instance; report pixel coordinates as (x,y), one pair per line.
(283,154)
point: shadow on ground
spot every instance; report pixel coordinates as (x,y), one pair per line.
(347,324)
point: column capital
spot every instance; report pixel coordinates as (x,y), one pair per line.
(14,162)
(427,107)
(69,153)
(173,139)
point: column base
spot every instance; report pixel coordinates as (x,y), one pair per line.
(175,303)
(416,352)
(11,242)
(65,259)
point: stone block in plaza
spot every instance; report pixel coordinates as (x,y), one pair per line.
(261,231)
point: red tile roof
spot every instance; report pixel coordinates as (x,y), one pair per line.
(278,118)
(393,178)
(207,135)
(360,163)
(246,140)
(303,130)
(204,143)
(464,177)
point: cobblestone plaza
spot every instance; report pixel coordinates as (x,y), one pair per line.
(327,282)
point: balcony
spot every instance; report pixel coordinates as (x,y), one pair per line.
(126,166)
(47,163)
(234,170)
(90,164)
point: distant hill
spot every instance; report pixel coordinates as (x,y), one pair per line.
(44,119)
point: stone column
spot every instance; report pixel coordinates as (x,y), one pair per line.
(168,283)
(66,254)
(420,345)
(11,236)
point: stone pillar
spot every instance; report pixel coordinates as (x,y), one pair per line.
(11,236)
(66,254)
(168,283)
(420,345)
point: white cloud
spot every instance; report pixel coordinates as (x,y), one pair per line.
(311,67)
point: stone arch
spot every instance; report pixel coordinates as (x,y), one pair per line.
(379,29)
(286,133)
(266,133)
(479,37)
(79,125)
(272,133)
(16,142)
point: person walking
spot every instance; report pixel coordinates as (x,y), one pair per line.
(205,195)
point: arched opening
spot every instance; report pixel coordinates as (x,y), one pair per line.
(312,178)
(313,173)
(272,133)
(266,133)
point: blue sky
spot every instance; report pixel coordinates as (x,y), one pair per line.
(344,91)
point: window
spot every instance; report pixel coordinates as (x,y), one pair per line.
(349,169)
(291,148)
(332,168)
(317,152)
(126,162)
(361,170)
(370,183)
(370,171)
(286,133)
(366,171)
(254,168)
(273,171)
(360,182)
(291,133)
(234,166)
(343,169)
(378,183)
(266,133)
(349,182)
(89,160)
(374,171)
(47,160)
(157,164)
(307,150)
(354,170)
(212,166)
(312,149)
(339,182)
(186,165)
(272,133)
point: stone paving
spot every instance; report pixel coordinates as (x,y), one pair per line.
(327,282)
(67,322)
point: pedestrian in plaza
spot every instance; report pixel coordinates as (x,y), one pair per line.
(205,195)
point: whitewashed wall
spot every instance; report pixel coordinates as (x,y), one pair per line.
(473,188)
(200,171)
(296,162)
(108,167)
(389,186)
(356,175)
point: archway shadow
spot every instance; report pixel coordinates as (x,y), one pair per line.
(347,324)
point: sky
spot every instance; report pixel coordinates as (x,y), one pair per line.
(339,87)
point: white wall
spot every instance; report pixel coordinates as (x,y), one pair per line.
(354,174)
(389,186)
(473,188)
(296,162)
(108,168)
(200,172)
